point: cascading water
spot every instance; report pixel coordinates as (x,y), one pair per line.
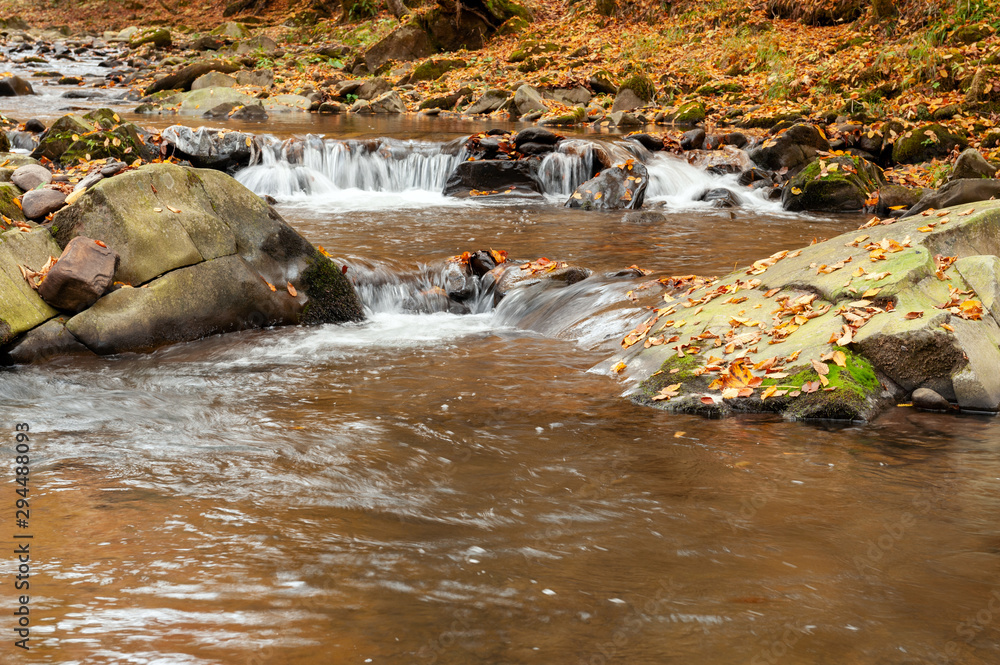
(407,173)
(317,167)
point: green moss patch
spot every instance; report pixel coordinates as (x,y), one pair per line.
(332,299)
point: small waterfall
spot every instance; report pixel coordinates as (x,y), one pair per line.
(572,164)
(424,289)
(673,178)
(316,166)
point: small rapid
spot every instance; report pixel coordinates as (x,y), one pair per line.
(393,173)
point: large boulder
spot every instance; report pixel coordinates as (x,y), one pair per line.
(839,329)
(492,176)
(792,149)
(209,254)
(926,142)
(433,69)
(843,183)
(409,42)
(261,78)
(622,186)
(259,45)
(186,76)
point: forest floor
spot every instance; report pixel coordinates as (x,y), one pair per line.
(737,58)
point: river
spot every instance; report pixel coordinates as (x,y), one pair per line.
(444,488)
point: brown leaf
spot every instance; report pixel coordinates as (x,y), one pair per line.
(821,368)
(914,315)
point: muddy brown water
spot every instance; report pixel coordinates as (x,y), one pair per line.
(434,488)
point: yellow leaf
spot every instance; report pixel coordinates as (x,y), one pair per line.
(619,367)
(796,191)
(248,141)
(840,358)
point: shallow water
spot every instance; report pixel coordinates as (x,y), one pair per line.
(427,488)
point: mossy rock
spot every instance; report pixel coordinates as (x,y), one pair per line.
(719,87)
(534,64)
(530,47)
(843,183)
(158,37)
(690,113)
(926,142)
(9,194)
(99,134)
(985,85)
(513,26)
(331,296)
(574,117)
(502,10)
(991,140)
(969,34)
(435,68)
(753,121)
(641,86)
(60,136)
(856,388)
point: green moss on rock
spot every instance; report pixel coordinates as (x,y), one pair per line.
(8,195)
(158,37)
(641,86)
(842,183)
(926,142)
(690,113)
(666,375)
(435,68)
(332,299)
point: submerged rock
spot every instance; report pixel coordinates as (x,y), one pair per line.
(839,329)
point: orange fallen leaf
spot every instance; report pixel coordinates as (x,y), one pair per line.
(291,290)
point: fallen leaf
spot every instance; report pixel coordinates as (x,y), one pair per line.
(914,315)
(291,290)
(619,367)
(821,368)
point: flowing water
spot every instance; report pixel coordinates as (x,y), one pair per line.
(444,488)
